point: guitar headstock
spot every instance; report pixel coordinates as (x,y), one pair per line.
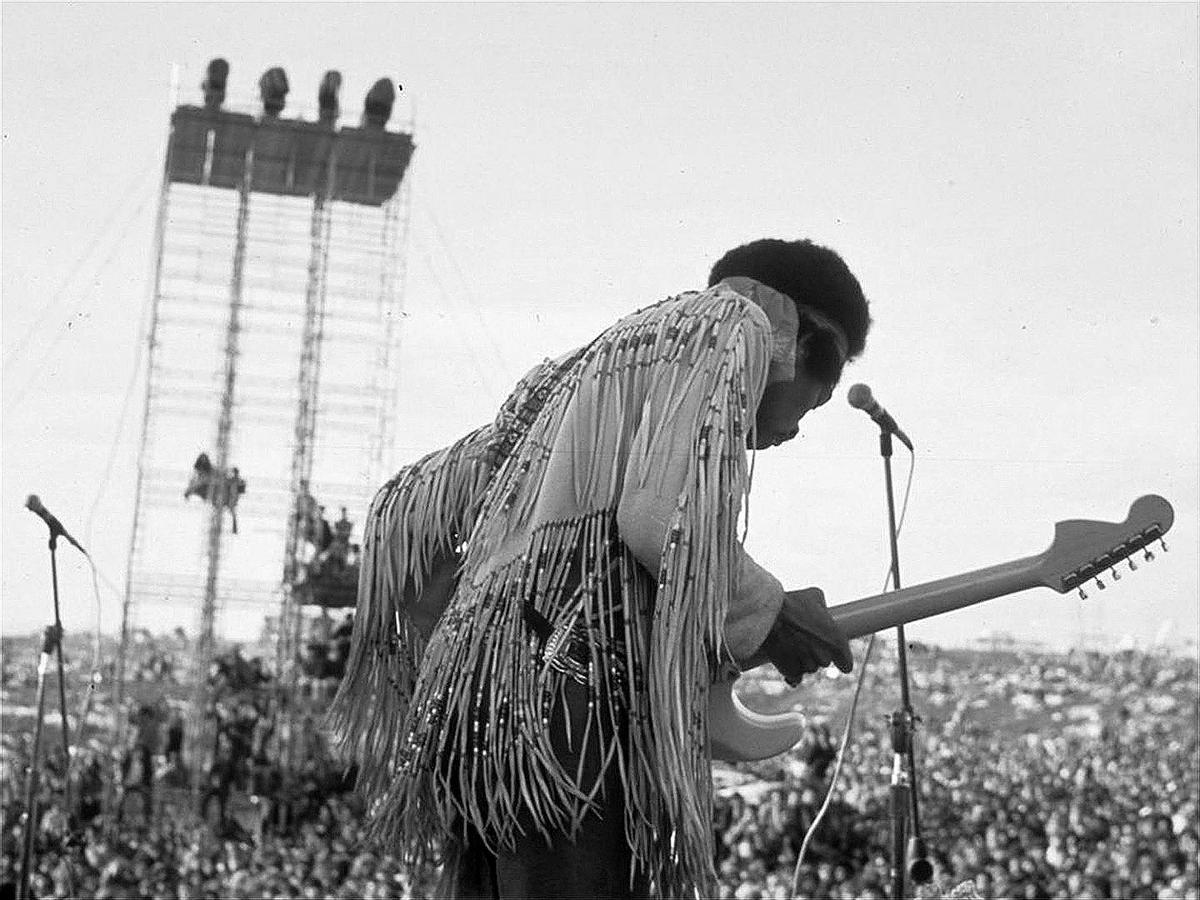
(1083,550)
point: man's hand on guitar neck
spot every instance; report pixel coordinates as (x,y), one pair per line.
(804,638)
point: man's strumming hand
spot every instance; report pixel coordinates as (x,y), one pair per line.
(805,638)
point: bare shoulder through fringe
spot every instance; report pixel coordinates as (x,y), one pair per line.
(474,748)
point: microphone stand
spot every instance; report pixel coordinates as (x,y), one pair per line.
(51,643)
(909,860)
(62,681)
(51,640)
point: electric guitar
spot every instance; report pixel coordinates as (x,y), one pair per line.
(1082,550)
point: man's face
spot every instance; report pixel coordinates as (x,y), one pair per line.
(784,404)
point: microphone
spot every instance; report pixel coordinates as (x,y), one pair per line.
(860,398)
(34,505)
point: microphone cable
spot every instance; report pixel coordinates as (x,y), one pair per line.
(846,732)
(97,660)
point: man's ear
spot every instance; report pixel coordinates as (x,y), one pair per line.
(819,356)
(804,347)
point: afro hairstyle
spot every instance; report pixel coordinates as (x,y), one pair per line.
(813,276)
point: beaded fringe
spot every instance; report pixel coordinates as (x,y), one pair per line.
(413,517)
(460,738)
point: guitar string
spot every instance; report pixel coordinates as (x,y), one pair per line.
(846,732)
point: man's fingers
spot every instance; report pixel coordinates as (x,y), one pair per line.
(833,650)
(821,658)
(833,641)
(806,639)
(844,660)
(838,653)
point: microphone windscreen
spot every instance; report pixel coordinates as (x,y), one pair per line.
(859,396)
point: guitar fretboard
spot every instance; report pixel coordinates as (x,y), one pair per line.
(871,614)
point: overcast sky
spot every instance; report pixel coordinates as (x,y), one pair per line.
(1014,185)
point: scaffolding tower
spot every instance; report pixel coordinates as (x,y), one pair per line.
(278,288)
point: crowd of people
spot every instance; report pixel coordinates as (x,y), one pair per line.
(1041,776)
(323,658)
(331,556)
(173,859)
(1097,800)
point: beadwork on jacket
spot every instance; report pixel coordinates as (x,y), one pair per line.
(454,734)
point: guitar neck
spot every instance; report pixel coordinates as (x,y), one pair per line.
(871,614)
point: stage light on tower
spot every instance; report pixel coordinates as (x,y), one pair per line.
(327,97)
(273,88)
(377,107)
(214,84)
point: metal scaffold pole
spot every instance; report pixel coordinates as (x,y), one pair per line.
(309,381)
(118,732)
(393,243)
(133,537)
(219,490)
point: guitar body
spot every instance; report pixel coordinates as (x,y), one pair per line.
(738,734)
(1081,550)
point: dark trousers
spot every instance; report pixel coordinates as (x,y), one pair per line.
(596,864)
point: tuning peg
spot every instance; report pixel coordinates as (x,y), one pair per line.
(1099,583)
(1082,593)
(1148,556)
(1162,544)
(1132,565)
(1115,574)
